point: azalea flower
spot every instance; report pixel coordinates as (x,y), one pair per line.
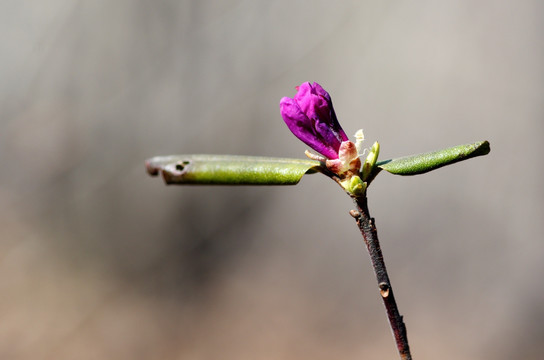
(310,116)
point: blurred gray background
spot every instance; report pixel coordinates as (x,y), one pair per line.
(100,261)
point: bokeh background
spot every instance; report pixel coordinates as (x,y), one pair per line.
(100,261)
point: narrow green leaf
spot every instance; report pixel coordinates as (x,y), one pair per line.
(422,163)
(230,169)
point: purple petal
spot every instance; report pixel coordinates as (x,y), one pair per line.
(321,92)
(304,128)
(311,103)
(311,117)
(333,121)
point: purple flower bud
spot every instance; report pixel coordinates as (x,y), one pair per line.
(310,117)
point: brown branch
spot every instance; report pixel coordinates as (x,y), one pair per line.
(368,229)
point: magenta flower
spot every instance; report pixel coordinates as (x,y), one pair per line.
(311,117)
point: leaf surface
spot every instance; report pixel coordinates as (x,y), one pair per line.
(230,169)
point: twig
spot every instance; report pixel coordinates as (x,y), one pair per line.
(368,229)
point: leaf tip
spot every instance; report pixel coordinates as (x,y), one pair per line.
(482,148)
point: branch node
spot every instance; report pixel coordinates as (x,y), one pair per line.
(384,289)
(354,213)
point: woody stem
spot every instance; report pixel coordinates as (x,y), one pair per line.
(370,235)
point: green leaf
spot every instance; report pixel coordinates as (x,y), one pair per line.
(422,163)
(230,169)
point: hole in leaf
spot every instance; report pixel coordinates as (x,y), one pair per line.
(181,166)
